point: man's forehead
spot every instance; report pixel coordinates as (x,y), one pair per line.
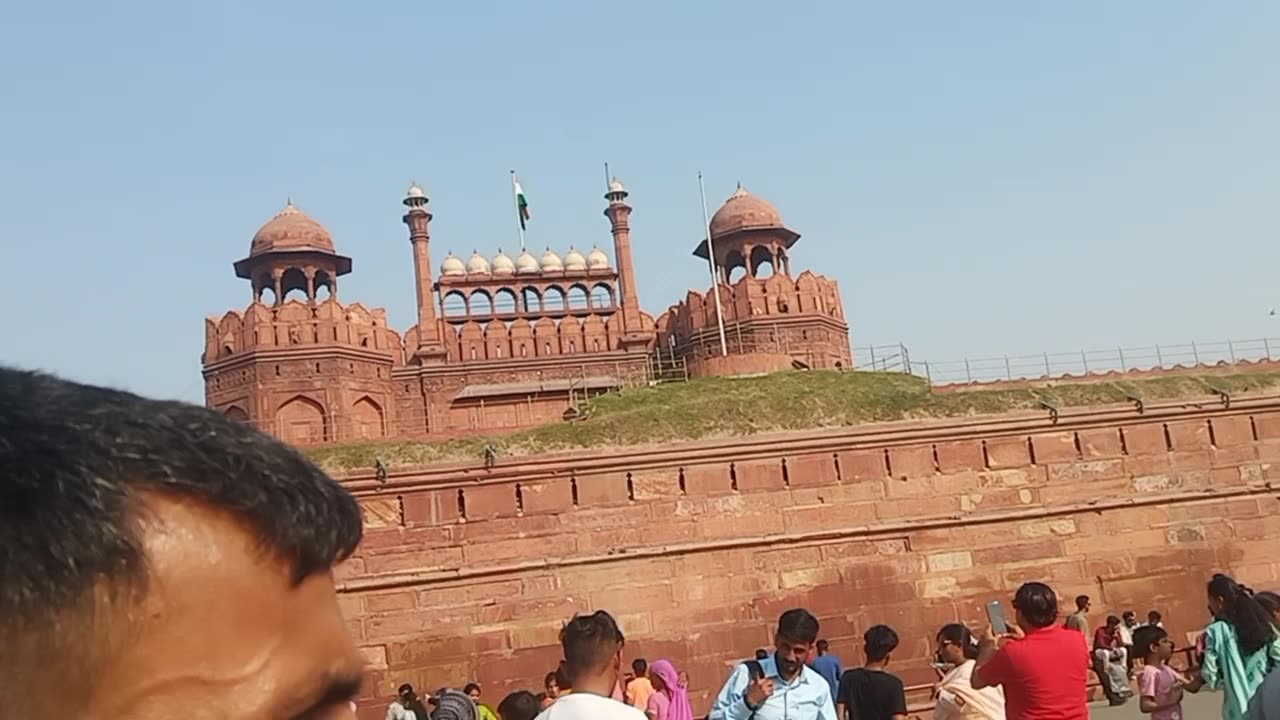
(223,621)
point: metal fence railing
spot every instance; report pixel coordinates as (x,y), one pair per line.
(1069,364)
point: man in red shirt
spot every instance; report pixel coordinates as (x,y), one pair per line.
(1110,661)
(1042,666)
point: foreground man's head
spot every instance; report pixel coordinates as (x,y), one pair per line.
(158,560)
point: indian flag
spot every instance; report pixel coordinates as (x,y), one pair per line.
(522,203)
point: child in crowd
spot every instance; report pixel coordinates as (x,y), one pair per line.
(519,705)
(871,692)
(1159,686)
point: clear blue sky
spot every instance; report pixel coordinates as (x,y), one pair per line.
(980,177)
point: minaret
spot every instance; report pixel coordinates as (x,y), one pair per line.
(430,348)
(619,214)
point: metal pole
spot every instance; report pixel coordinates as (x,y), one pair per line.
(1122,365)
(906,357)
(1159,357)
(1008,371)
(967,372)
(1047,371)
(1231,350)
(1195,353)
(873,358)
(715,277)
(1084,360)
(1267,345)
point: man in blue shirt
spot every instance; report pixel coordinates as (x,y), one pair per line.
(789,689)
(828,666)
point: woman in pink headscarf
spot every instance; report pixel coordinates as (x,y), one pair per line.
(670,699)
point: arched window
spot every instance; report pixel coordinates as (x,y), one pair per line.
(504,302)
(578,298)
(455,304)
(601,296)
(532,300)
(481,303)
(760,258)
(554,300)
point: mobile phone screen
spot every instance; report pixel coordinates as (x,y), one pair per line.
(995,613)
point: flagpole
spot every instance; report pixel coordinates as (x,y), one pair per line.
(515,198)
(711,258)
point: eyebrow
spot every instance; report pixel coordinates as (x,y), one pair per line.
(336,687)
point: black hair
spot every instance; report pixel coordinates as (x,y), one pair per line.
(959,635)
(470,687)
(76,466)
(1113,620)
(1129,614)
(1146,636)
(799,625)
(1269,601)
(410,701)
(823,646)
(1255,628)
(519,705)
(1081,601)
(589,641)
(762,654)
(1155,616)
(879,641)
(639,666)
(563,681)
(1038,603)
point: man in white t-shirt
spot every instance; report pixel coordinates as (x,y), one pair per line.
(593,660)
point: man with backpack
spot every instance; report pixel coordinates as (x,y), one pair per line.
(783,686)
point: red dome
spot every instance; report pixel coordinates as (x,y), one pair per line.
(744,211)
(293,230)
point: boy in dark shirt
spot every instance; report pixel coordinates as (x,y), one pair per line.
(871,692)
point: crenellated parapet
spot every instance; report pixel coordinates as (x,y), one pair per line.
(296,324)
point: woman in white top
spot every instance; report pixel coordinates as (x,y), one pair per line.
(955,698)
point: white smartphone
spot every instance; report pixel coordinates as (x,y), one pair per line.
(995,614)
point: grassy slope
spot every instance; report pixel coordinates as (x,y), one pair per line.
(729,407)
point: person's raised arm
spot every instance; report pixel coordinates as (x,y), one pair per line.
(993,665)
(731,703)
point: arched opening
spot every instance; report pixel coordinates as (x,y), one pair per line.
(504,302)
(481,303)
(294,285)
(454,304)
(227,349)
(734,267)
(366,418)
(578,298)
(302,421)
(323,285)
(601,296)
(235,412)
(266,295)
(531,299)
(554,300)
(761,257)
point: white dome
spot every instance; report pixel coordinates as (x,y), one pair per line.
(597,260)
(415,191)
(527,264)
(452,265)
(573,260)
(551,262)
(502,264)
(477,265)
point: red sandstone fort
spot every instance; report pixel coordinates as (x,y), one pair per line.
(502,343)
(467,571)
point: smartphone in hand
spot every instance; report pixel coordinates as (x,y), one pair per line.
(995,614)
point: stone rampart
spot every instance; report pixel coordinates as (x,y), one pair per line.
(467,573)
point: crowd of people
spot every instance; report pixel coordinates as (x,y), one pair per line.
(1037,670)
(136,530)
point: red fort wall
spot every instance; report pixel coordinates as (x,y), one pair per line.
(467,574)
